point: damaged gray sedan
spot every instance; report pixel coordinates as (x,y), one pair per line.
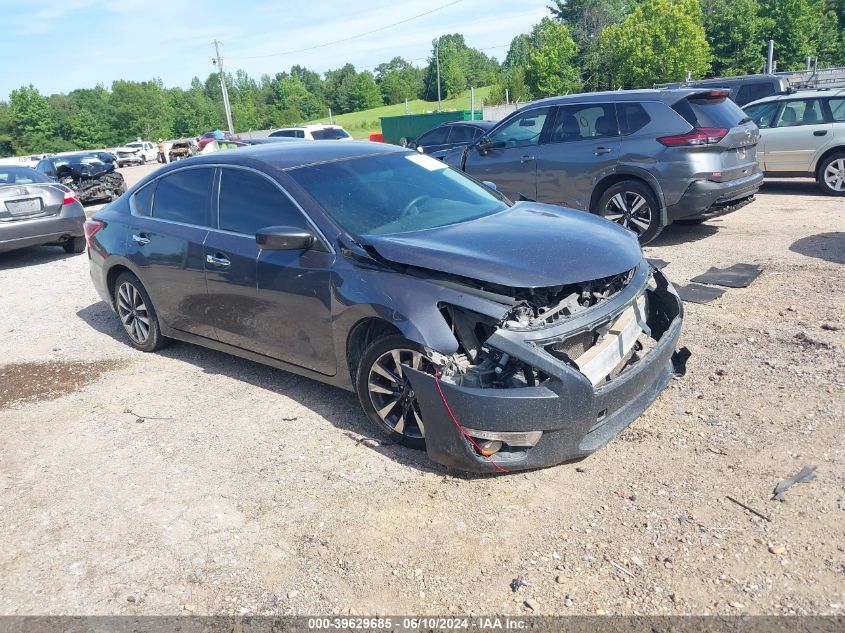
(497,336)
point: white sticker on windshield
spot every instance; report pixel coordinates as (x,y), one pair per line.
(431,164)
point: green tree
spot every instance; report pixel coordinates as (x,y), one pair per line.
(6,130)
(398,80)
(660,41)
(517,56)
(551,69)
(32,121)
(793,25)
(364,93)
(512,81)
(141,109)
(736,33)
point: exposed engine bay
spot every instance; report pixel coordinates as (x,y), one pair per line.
(91,181)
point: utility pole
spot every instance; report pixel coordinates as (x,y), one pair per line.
(437,58)
(770,56)
(219,62)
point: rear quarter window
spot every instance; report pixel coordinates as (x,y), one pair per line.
(142,201)
(632,117)
(709,112)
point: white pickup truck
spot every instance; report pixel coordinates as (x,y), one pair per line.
(136,153)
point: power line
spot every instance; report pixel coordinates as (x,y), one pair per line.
(352,37)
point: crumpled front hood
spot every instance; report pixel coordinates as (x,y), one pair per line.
(531,245)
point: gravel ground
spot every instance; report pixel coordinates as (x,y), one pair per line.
(189,481)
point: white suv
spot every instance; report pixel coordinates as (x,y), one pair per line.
(803,134)
(136,153)
(314,133)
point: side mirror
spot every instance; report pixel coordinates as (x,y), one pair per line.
(484,143)
(489,184)
(284,238)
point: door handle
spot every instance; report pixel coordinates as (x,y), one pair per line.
(219,260)
(819,132)
(526,159)
(142,239)
(600,151)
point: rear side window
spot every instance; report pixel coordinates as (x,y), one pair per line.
(184,196)
(461,134)
(437,136)
(142,201)
(837,108)
(709,112)
(801,112)
(752,92)
(632,117)
(249,202)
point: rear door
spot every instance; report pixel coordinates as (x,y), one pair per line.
(274,303)
(172,216)
(799,132)
(582,147)
(511,160)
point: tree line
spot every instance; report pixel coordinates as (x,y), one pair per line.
(582,45)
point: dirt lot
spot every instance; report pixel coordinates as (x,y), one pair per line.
(189,481)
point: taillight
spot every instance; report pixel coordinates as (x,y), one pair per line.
(698,136)
(92,227)
(69,195)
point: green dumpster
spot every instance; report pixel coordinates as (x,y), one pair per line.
(408,127)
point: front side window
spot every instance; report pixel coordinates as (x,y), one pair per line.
(522,130)
(578,122)
(763,114)
(249,202)
(184,196)
(395,193)
(801,112)
(837,108)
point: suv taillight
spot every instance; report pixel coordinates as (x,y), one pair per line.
(91,228)
(698,136)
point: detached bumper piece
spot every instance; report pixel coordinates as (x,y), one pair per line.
(579,405)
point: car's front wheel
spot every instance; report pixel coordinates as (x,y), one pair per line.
(831,175)
(385,392)
(137,314)
(631,204)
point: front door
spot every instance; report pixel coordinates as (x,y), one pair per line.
(510,159)
(274,303)
(166,246)
(582,147)
(800,130)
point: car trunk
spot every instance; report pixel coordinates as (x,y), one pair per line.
(734,156)
(24,202)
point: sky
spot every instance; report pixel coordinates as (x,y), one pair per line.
(60,45)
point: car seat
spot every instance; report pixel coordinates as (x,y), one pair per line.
(567,130)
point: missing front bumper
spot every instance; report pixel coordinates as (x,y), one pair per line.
(573,418)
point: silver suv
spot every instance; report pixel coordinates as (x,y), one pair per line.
(803,135)
(641,158)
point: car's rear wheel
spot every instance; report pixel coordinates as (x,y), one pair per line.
(74,245)
(385,392)
(831,175)
(137,314)
(631,204)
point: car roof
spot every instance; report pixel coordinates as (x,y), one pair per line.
(800,94)
(483,124)
(666,95)
(291,155)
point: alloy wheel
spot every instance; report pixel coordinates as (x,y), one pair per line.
(133,313)
(631,210)
(391,393)
(834,175)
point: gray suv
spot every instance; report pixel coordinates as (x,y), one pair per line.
(641,158)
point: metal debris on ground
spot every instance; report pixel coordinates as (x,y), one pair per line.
(736,276)
(659,264)
(697,293)
(518,583)
(679,362)
(749,508)
(143,418)
(808,473)
(620,567)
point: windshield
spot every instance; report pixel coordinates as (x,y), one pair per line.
(329,134)
(395,193)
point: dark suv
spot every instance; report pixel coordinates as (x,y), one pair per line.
(642,158)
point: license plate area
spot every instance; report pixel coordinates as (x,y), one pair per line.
(27,206)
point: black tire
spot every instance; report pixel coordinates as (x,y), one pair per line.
(74,245)
(690,222)
(620,203)
(137,313)
(831,174)
(368,380)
